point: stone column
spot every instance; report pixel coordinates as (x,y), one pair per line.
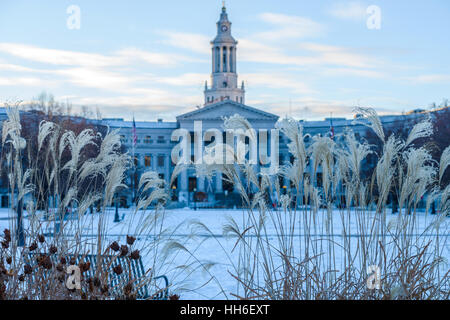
(214,59)
(153,160)
(183,194)
(201,184)
(234,60)
(183,180)
(167,168)
(219,187)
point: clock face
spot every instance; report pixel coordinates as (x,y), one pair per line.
(224,28)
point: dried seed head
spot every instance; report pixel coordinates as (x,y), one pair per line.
(41,238)
(91,285)
(33,246)
(8,260)
(5,244)
(27,269)
(59,267)
(63,260)
(135,255)
(128,289)
(46,262)
(105,289)
(97,282)
(174,297)
(130,240)
(115,246)
(123,250)
(84,266)
(21,278)
(72,261)
(118,269)
(53,249)
(7,235)
(3,269)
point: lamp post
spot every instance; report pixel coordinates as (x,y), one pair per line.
(226,194)
(193,198)
(116,215)
(174,188)
(20,233)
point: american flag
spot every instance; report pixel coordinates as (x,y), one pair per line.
(331,129)
(134,133)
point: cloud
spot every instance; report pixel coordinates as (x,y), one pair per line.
(131,55)
(74,58)
(306,54)
(59,57)
(186,79)
(313,109)
(97,78)
(430,79)
(146,104)
(289,27)
(191,41)
(353,72)
(353,11)
(25,81)
(277,81)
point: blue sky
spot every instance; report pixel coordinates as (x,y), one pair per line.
(306,59)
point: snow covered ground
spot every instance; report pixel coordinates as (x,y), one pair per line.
(206,246)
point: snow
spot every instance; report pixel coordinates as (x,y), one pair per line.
(207,245)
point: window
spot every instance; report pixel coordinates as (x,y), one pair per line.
(192,184)
(161,139)
(319,180)
(148,140)
(161,161)
(148,161)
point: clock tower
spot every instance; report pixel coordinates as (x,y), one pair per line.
(224,79)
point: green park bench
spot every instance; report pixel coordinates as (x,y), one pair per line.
(133,270)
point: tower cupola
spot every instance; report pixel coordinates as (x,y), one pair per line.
(224,79)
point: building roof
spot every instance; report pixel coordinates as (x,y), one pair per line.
(218,105)
(120,123)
